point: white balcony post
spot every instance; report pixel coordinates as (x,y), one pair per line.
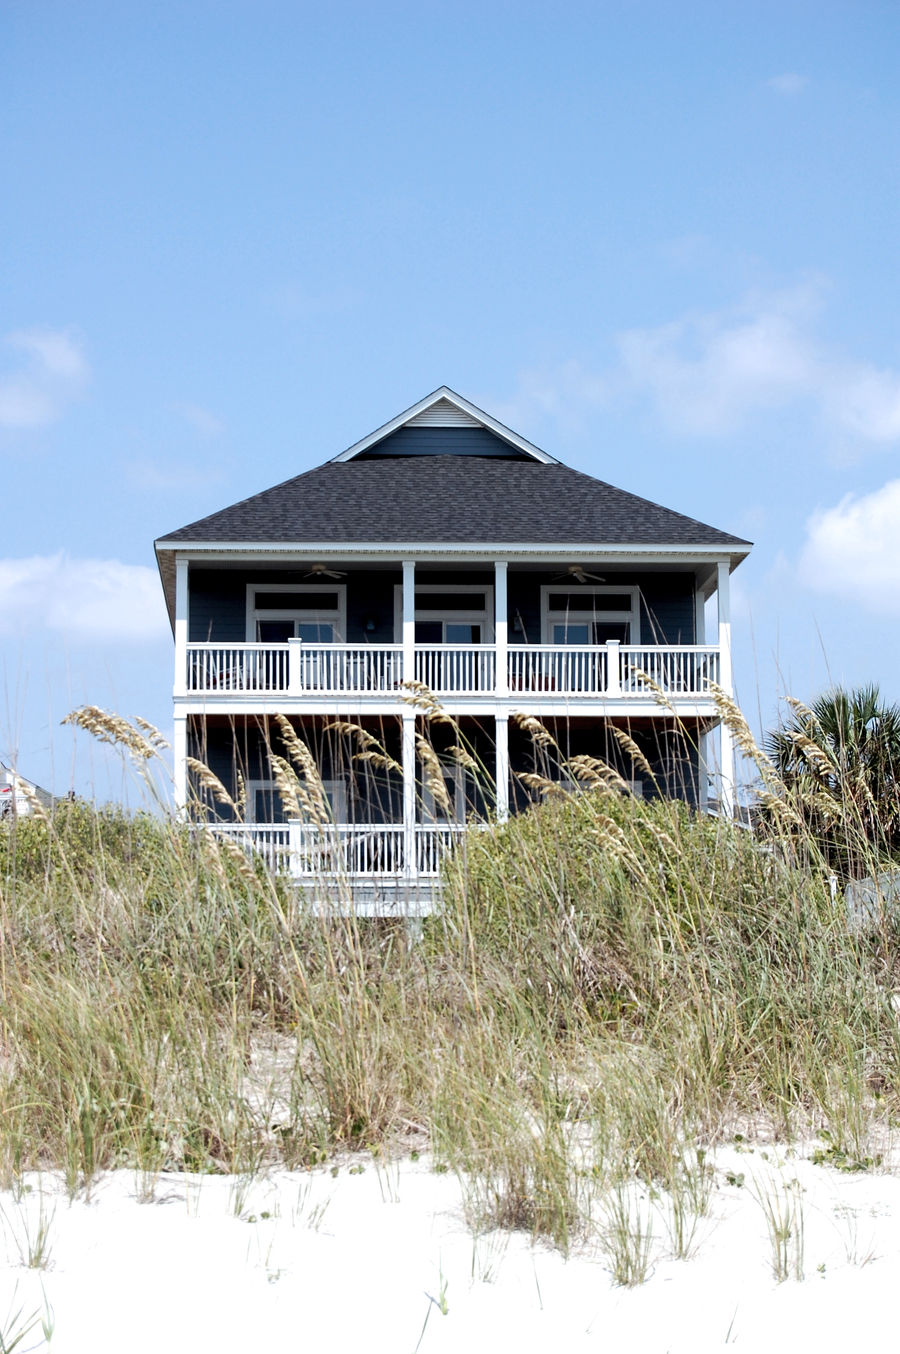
(181,625)
(502,768)
(295,670)
(501,633)
(179,763)
(699,616)
(408,762)
(703,770)
(295,847)
(726,740)
(613,668)
(723,599)
(409,620)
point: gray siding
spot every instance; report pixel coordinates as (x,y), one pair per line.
(443,442)
(218,601)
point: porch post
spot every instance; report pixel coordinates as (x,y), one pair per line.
(408,762)
(409,620)
(181,625)
(726,740)
(501,634)
(502,768)
(699,615)
(179,760)
(703,771)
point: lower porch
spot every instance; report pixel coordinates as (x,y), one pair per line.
(389,798)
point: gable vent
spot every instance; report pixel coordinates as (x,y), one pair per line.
(443,414)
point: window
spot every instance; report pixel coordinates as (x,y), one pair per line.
(448,613)
(264,804)
(277,612)
(591,615)
(460,791)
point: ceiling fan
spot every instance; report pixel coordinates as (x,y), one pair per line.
(580,575)
(323,571)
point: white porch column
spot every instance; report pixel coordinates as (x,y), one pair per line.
(726,739)
(501,629)
(703,771)
(409,620)
(699,615)
(408,762)
(502,767)
(181,625)
(179,760)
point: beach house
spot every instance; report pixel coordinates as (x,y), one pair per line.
(443,556)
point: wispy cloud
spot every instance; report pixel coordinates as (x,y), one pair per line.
(43,372)
(788,84)
(201,420)
(163,477)
(565,394)
(707,374)
(851,550)
(85,599)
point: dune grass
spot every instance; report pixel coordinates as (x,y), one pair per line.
(610,988)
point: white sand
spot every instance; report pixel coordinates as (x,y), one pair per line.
(357,1261)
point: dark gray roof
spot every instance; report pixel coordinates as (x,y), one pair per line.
(446,498)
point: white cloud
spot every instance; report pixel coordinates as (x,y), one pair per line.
(789,83)
(709,373)
(851,550)
(563,393)
(47,372)
(200,419)
(86,599)
(866,402)
(705,373)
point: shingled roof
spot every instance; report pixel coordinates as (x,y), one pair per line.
(444,474)
(434,498)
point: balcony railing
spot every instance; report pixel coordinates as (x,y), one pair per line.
(572,671)
(338,851)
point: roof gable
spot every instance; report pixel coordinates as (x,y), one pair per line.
(444,409)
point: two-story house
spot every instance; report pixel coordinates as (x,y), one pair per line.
(442,549)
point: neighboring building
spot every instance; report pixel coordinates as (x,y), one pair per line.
(445,549)
(18,797)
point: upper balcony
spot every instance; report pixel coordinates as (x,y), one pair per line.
(542,674)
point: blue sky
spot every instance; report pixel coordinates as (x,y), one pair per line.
(658,239)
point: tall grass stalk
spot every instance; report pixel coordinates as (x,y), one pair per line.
(608,983)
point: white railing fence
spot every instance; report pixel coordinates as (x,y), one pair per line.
(221,668)
(573,670)
(464,669)
(298,669)
(433,842)
(343,850)
(269,840)
(678,671)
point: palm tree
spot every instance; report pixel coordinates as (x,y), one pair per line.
(839,759)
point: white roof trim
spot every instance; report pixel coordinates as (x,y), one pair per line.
(581,550)
(465,406)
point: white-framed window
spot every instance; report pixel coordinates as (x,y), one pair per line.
(460,785)
(314,612)
(264,804)
(449,613)
(590,615)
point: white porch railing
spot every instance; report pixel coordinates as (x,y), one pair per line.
(676,670)
(457,669)
(270,840)
(433,843)
(222,668)
(571,670)
(344,850)
(294,668)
